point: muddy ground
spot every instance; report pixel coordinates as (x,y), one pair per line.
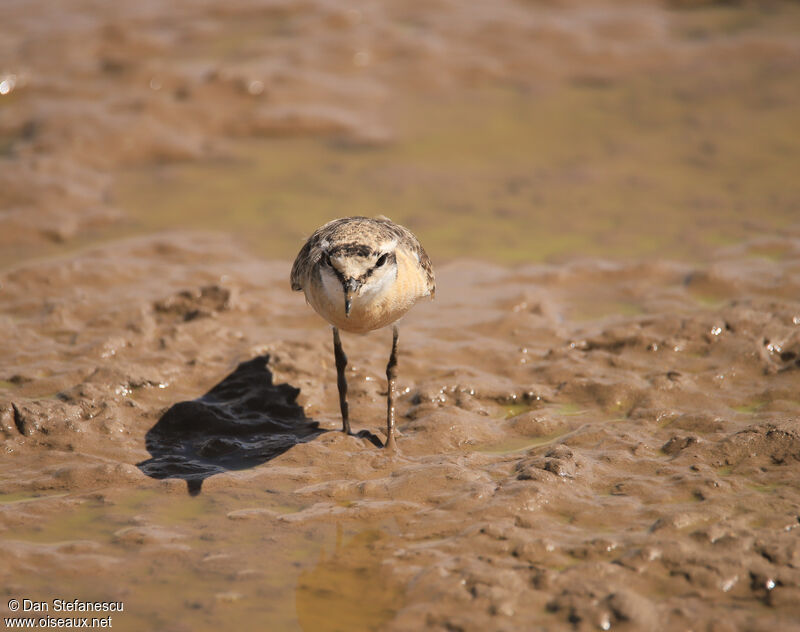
(597,414)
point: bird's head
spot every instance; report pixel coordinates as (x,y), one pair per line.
(360,270)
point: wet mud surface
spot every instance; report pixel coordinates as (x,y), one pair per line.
(597,415)
(557,465)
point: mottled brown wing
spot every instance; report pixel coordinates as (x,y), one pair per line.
(426,264)
(300,265)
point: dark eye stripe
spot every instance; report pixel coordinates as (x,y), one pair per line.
(382,260)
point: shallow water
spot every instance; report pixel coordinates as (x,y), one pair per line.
(625,170)
(224,569)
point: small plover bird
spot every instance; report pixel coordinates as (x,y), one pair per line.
(362,274)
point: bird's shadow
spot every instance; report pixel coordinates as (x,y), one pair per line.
(242,422)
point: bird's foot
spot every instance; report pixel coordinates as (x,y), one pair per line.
(390,444)
(366,434)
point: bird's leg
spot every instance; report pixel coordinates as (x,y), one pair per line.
(391,374)
(341,379)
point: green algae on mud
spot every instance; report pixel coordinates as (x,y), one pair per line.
(750,408)
(520,444)
(24,497)
(627,169)
(81,522)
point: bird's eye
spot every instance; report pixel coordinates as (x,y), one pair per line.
(381,260)
(326,259)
